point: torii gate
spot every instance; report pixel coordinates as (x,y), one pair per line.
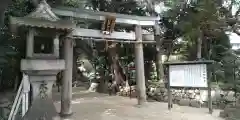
(45,18)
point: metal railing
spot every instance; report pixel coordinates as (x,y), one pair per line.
(22,96)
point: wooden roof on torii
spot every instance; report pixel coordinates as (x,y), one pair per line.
(100,16)
(46,17)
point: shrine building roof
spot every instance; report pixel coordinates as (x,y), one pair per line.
(42,17)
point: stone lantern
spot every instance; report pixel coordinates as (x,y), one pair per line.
(42,61)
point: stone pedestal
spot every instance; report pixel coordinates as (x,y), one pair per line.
(42,75)
(42,105)
(42,86)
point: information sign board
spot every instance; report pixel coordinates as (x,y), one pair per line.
(188,75)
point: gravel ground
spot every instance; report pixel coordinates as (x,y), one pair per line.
(95,106)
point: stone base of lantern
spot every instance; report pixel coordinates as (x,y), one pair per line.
(42,75)
(42,107)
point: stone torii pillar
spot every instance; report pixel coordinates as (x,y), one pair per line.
(66,92)
(139,62)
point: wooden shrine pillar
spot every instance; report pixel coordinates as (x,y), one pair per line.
(66,92)
(139,62)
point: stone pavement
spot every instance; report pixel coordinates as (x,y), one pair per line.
(95,106)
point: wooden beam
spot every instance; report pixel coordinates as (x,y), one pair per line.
(100,16)
(81,32)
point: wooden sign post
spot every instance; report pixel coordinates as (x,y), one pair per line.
(190,74)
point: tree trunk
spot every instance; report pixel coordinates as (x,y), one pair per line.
(119,76)
(75,66)
(101,85)
(16,83)
(148,69)
(159,62)
(160,69)
(3,6)
(157,37)
(199,47)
